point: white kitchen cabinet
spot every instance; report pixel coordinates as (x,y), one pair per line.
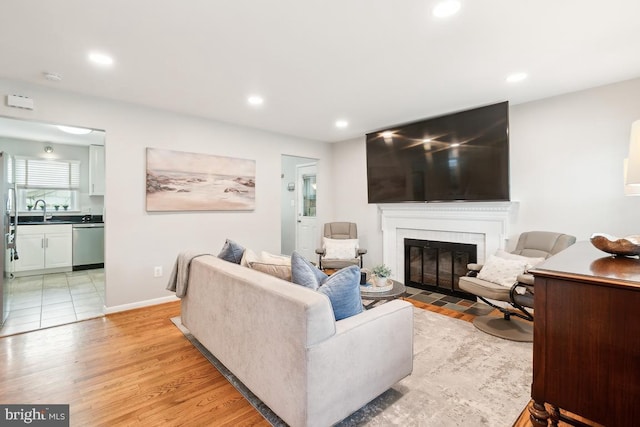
(31,251)
(96,170)
(44,247)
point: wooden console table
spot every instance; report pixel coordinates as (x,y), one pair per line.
(586,342)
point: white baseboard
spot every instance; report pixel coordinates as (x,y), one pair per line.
(140,304)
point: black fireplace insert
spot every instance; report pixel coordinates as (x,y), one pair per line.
(436,266)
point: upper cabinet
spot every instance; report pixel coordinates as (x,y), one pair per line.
(96,170)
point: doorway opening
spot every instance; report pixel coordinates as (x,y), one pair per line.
(40,285)
(299,229)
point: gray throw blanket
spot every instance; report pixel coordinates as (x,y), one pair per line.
(179,278)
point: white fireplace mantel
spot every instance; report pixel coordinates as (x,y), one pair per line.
(485,224)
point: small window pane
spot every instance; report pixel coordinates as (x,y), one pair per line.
(309,195)
(53,199)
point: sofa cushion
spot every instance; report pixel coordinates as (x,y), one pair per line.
(304,273)
(343,290)
(231,251)
(340,248)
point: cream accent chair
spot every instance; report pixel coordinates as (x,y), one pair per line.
(340,230)
(532,244)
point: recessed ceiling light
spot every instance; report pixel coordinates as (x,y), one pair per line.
(516,77)
(75,130)
(446,8)
(342,124)
(455,144)
(100,58)
(255,100)
(426,140)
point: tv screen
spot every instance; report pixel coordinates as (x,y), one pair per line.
(462,156)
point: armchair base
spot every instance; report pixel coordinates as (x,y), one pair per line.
(514,330)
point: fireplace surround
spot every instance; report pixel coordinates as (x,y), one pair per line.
(484,224)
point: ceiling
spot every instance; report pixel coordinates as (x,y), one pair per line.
(373,63)
(46,132)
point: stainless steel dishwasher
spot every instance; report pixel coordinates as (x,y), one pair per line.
(88,246)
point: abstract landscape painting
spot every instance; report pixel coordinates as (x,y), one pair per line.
(180,181)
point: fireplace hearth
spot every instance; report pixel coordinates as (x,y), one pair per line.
(436,266)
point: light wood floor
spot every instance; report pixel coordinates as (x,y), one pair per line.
(130,368)
(125,369)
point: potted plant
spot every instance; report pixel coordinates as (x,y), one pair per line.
(65,207)
(56,207)
(29,206)
(381,273)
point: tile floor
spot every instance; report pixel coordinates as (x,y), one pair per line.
(53,299)
(447,301)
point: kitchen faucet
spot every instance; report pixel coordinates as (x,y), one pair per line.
(44,205)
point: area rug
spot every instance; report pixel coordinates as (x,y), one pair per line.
(461,377)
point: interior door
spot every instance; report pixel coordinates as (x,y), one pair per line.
(307,223)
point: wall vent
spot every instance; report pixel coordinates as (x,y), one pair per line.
(19,101)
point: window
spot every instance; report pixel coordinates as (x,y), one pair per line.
(57,182)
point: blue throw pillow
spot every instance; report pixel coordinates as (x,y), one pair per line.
(304,273)
(342,287)
(231,251)
(343,290)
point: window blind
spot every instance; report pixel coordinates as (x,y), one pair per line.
(54,174)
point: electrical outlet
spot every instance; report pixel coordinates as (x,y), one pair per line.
(157,271)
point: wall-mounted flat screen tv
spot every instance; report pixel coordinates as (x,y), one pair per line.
(462,156)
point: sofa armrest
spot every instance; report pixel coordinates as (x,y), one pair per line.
(368,354)
(321,251)
(361,251)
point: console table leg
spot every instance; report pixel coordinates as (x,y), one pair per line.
(538,415)
(555,416)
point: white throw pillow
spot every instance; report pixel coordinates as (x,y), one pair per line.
(275,259)
(340,248)
(531,262)
(502,271)
(275,265)
(248,257)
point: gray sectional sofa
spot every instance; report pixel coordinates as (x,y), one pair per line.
(282,341)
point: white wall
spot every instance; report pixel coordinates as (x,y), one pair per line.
(566,156)
(349,166)
(136,241)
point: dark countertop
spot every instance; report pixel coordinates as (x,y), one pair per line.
(59,219)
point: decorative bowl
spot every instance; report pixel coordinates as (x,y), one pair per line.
(372,287)
(627,246)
